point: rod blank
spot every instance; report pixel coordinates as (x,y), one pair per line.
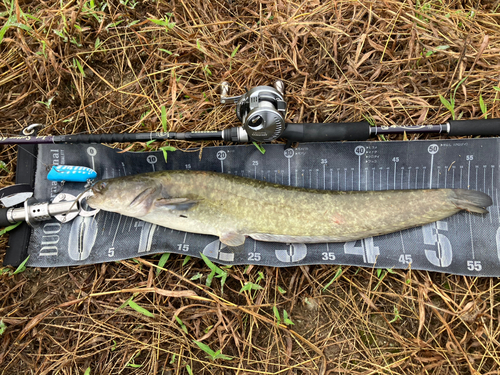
(316,132)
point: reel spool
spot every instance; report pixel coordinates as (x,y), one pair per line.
(261,110)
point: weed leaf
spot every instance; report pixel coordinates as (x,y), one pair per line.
(205,348)
(4,29)
(482,104)
(337,274)
(164,118)
(181,323)
(250,286)
(211,354)
(277,314)
(286,319)
(158,22)
(235,51)
(196,277)
(445,102)
(259,147)
(21,267)
(215,271)
(186,260)
(165,149)
(140,309)
(9,228)
(124,304)
(161,263)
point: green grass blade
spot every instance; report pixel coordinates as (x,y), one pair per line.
(21,26)
(259,147)
(219,355)
(181,323)
(9,228)
(80,68)
(287,319)
(21,267)
(186,260)
(165,149)
(4,29)
(140,309)
(337,275)
(205,348)
(209,263)
(482,104)
(250,286)
(164,118)
(198,276)
(161,263)
(124,304)
(277,314)
(158,22)
(235,51)
(210,277)
(223,278)
(215,271)
(445,102)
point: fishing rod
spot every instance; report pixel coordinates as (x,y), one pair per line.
(262,111)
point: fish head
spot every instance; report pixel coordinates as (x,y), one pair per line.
(130,196)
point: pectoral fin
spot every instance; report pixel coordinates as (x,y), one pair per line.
(232,239)
(180,204)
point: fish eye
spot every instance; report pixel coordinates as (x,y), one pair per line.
(100,186)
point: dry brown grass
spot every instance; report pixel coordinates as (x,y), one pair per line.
(340,61)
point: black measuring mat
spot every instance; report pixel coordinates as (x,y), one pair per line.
(467,244)
(20,237)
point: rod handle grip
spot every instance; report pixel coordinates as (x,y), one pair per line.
(323,132)
(4,222)
(484,127)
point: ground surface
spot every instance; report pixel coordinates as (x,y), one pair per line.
(96,67)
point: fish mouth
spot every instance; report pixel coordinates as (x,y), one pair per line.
(145,194)
(98,187)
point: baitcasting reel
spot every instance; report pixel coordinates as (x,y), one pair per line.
(261,110)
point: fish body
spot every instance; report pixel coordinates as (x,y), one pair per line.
(234,208)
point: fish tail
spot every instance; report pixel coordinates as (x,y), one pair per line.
(471,200)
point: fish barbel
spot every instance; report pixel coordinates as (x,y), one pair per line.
(234,208)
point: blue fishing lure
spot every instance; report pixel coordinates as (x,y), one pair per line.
(71,173)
